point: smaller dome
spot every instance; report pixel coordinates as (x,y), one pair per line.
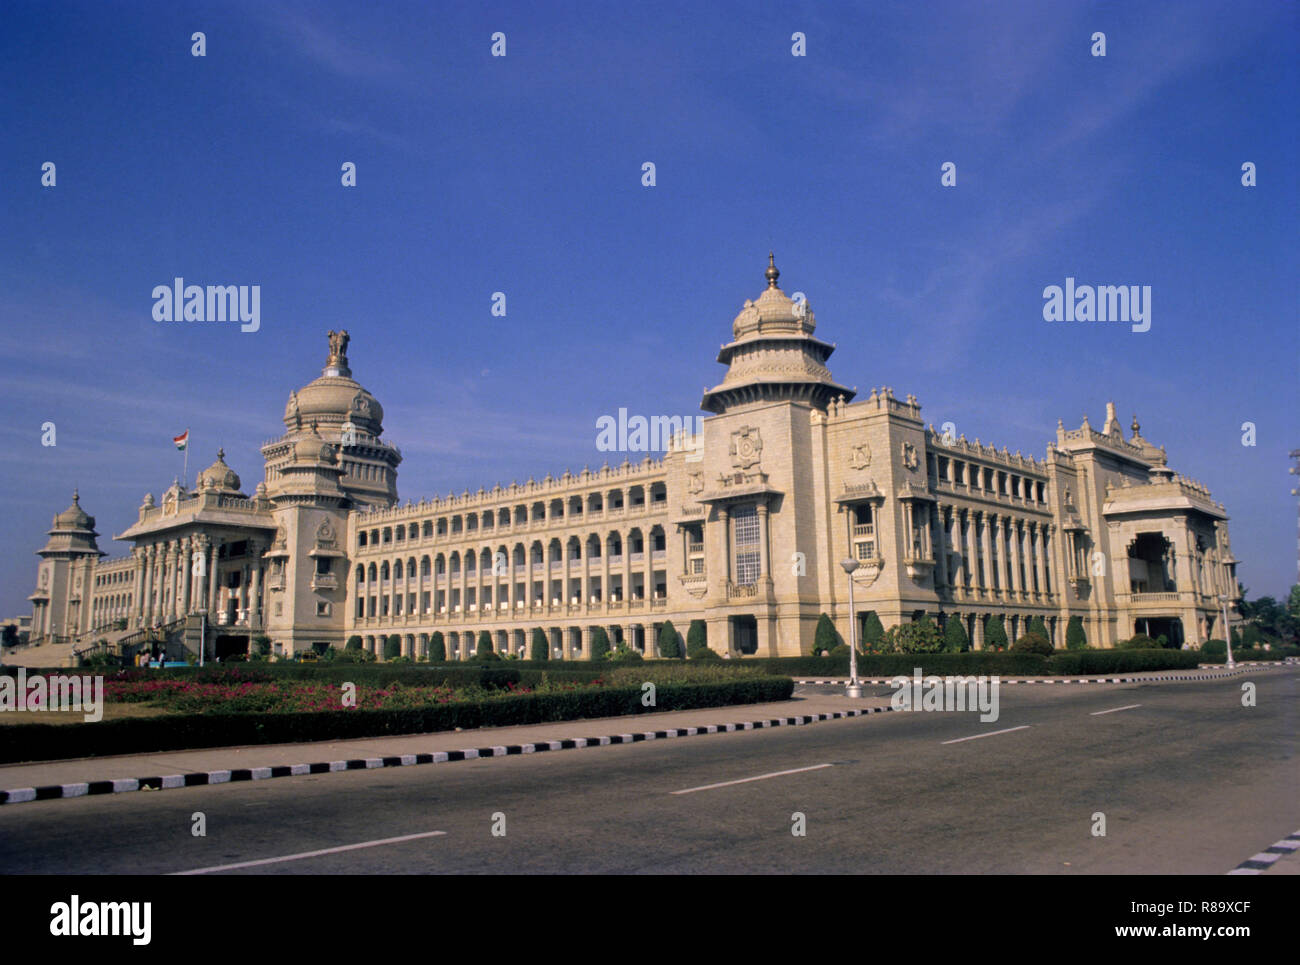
(773,312)
(312,448)
(219,476)
(74,517)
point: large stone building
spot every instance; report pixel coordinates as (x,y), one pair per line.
(742,526)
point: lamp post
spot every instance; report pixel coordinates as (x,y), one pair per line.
(854,688)
(1227,630)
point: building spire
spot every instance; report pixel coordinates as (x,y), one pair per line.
(771,273)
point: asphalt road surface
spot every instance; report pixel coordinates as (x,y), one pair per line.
(1189,782)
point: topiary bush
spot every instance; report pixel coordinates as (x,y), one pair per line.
(955,639)
(1075,638)
(354,643)
(825,639)
(437,648)
(1036,625)
(670,647)
(704,653)
(697,636)
(541,647)
(1214,648)
(873,633)
(625,654)
(599,644)
(392,647)
(484,644)
(995,634)
(1034,643)
(1139,641)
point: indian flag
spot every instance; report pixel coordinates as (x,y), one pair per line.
(182,440)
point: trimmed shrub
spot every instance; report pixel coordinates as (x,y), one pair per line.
(1075,638)
(825,639)
(1036,625)
(955,639)
(1072,662)
(1034,643)
(995,634)
(839,652)
(704,653)
(625,654)
(437,648)
(697,636)
(921,636)
(31,742)
(484,644)
(872,632)
(1139,641)
(599,644)
(354,643)
(541,647)
(353,656)
(1215,648)
(670,647)
(262,645)
(392,647)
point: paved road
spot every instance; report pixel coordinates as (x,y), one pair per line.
(1189,782)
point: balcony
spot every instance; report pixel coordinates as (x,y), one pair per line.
(319,581)
(735,591)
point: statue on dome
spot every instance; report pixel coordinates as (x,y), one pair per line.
(338,347)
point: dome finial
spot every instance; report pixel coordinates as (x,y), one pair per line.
(1135,426)
(76,497)
(771,273)
(221,453)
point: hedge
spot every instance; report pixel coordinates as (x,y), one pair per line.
(1241,654)
(1071,662)
(32,742)
(1006,663)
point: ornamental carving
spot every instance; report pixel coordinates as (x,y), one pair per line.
(910,459)
(860,457)
(746,447)
(695,482)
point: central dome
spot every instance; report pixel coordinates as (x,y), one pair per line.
(335,398)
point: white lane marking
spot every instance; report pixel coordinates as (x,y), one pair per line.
(1097,713)
(746,780)
(975,737)
(312,854)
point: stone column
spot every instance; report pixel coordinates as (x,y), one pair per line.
(254,622)
(146,590)
(725,523)
(959,549)
(941,550)
(137,591)
(1016,579)
(764,573)
(986,548)
(627,564)
(1039,552)
(604,581)
(212,582)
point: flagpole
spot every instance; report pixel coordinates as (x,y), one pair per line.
(185,473)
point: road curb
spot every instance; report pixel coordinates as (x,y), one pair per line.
(51,792)
(1070,680)
(1259,863)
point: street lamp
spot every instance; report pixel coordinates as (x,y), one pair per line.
(1227,630)
(854,689)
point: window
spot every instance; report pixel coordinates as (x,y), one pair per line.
(322,609)
(745,523)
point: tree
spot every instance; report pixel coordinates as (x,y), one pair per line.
(955,639)
(392,647)
(1075,638)
(1036,625)
(697,637)
(825,639)
(1033,643)
(484,644)
(995,634)
(921,636)
(10,635)
(437,648)
(599,643)
(541,649)
(669,646)
(354,643)
(873,632)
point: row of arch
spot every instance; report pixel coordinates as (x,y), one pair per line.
(540,511)
(568,643)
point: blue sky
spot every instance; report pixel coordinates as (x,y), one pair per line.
(522,174)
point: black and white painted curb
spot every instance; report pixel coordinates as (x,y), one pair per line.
(1259,863)
(50,792)
(1072,680)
